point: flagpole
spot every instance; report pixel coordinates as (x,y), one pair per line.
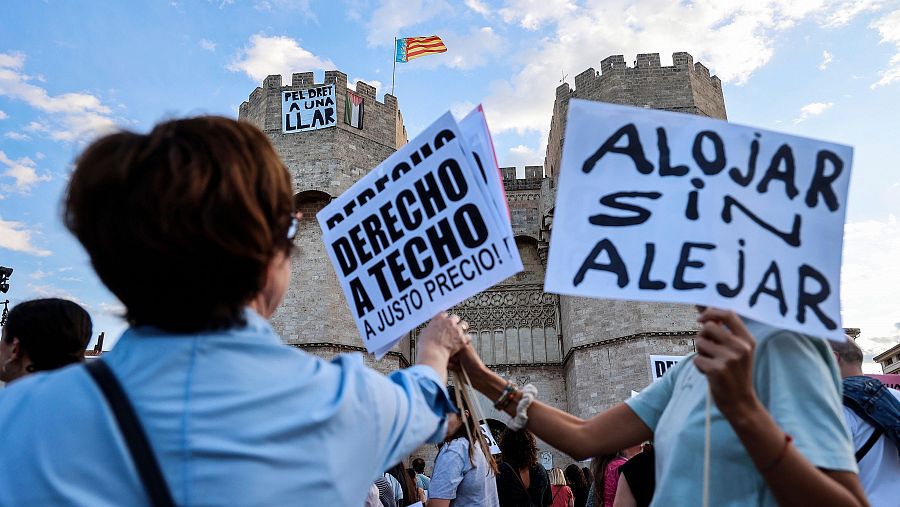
(394,72)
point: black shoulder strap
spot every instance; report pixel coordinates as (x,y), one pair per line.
(130,426)
(861,453)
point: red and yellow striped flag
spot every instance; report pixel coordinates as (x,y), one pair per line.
(414,47)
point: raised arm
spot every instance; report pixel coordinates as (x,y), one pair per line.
(725,355)
(605,433)
(443,337)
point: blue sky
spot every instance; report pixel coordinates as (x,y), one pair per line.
(70,70)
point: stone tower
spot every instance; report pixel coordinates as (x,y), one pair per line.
(323,163)
(606,344)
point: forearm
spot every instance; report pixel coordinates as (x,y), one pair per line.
(604,433)
(793,479)
(435,357)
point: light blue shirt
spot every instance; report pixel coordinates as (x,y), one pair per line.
(795,378)
(455,478)
(235,418)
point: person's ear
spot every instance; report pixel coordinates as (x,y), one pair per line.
(15,350)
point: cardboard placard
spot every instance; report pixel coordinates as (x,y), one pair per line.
(418,234)
(660,206)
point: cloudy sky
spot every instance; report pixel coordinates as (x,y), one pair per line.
(70,70)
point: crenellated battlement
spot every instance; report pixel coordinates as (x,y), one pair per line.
(646,63)
(685,87)
(301,80)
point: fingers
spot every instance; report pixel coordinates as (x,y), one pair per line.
(730,319)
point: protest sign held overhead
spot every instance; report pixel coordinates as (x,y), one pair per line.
(659,365)
(310,109)
(417,235)
(658,206)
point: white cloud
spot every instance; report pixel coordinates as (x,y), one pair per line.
(845,11)
(478,6)
(870,281)
(51,291)
(16,136)
(3,115)
(23,171)
(77,115)
(208,44)
(812,109)
(461,109)
(826,59)
(275,55)
(17,237)
(115,308)
(379,86)
(520,156)
(889,29)
(531,14)
(390,17)
(39,274)
(734,38)
(471,50)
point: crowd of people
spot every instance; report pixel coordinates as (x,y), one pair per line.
(191,226)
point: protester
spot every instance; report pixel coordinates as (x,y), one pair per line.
(404,485)
(372,499)
(577,482)
(43,335)
(522,481)
(561,494)
(386,492)
(420,493)
(396,487)
(637,480)
(773,444)
(422,480)
(191,227)
(463,475)
(872,412)
(605,475)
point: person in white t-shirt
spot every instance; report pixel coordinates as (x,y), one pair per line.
(879,460)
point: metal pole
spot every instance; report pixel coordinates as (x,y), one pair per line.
(394,73)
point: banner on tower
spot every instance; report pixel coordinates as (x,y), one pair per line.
(417,235)
(309,109)
(660,206)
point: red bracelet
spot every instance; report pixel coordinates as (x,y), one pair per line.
(777,460)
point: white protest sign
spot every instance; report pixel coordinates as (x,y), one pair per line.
(310,109)
(489,437)
(659,365)
(659,206)
(415,236)
(478,137)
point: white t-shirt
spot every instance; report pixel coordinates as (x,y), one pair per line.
(879,470)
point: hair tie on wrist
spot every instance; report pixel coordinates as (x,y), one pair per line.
(529,393)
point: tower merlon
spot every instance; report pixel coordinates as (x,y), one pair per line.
(301,79)
(647,60)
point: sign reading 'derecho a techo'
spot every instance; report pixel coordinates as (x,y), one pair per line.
(310,109)
(418,234)
(659,206)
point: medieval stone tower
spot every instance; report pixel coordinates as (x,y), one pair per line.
(323,163)
(584,355)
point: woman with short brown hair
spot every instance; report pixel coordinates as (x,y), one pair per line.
(191,226)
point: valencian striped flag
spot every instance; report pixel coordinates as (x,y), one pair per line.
(414,47)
